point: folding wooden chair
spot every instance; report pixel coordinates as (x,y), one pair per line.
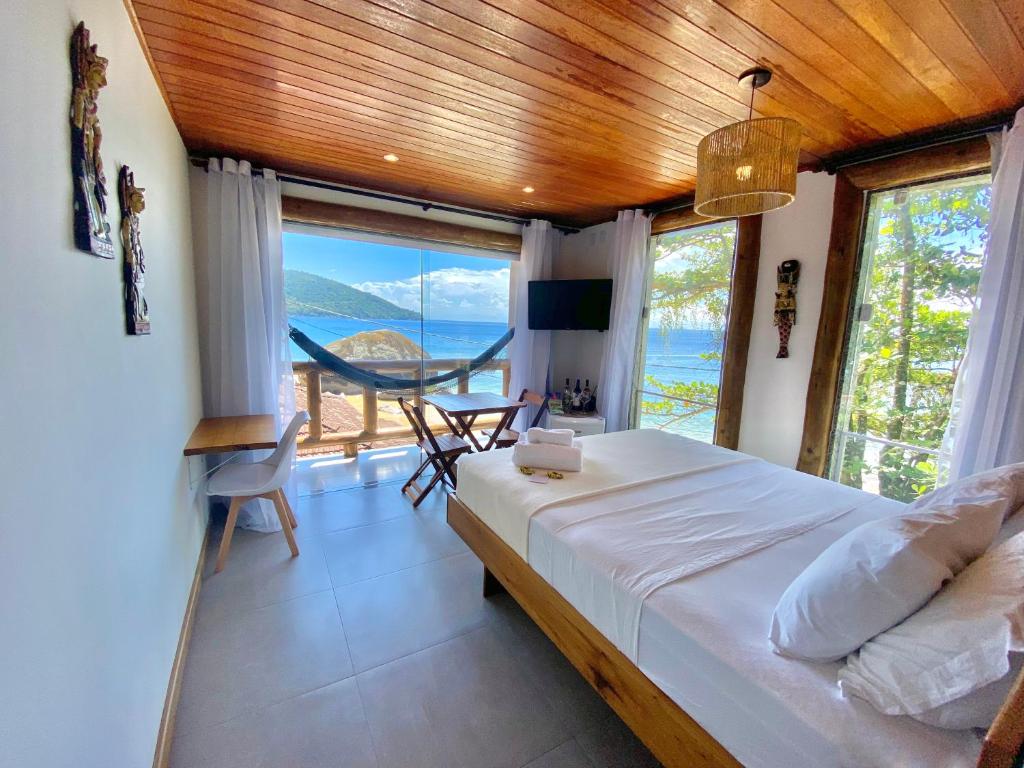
(509,437)
(441,452)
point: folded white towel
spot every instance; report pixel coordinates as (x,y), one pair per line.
(567,458)
(551,436)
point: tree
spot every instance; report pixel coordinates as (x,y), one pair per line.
(922,263)
(690,289)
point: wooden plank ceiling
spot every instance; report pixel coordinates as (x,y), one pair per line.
(595,104)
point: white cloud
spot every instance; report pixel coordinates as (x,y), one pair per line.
(454,293)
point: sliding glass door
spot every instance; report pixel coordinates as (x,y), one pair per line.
(685,322)
(920,265)
(402,308)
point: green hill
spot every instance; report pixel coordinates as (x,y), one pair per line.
(309,294)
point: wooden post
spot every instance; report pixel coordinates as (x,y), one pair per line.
(370,411)
(506,377)
(848,208)
(313,400)
(463,381)
(737,334)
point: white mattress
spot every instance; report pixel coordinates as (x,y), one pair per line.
(703,641)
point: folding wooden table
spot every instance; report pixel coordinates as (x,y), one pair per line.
(460,412)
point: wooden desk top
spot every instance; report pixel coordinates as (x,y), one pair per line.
(472,403)
(232,433)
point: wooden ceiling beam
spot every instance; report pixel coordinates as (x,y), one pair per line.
(943,160)
(317,213)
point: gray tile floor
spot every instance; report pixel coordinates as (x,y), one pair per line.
(375,648)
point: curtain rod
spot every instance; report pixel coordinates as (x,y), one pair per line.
(200,162)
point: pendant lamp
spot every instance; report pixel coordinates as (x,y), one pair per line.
(748,167)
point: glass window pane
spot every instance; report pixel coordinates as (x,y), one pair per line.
(417,311)
(921,263)
(687,311)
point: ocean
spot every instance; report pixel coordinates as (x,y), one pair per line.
(672,356)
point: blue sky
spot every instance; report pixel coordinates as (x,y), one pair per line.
(457,287)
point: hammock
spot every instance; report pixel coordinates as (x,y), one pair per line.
(379,381)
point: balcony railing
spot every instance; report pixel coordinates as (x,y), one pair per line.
(318,435)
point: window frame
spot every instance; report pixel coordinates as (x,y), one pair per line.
(738,324)
(843,267)
(853,329)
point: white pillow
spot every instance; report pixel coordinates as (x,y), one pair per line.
(878,574)
(977,709)
(1006,481)
(957,646)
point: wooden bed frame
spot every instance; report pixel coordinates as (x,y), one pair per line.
(673,736)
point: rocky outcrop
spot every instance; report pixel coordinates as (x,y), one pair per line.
(377,345)
(369,345)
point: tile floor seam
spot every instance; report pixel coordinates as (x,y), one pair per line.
(555,749)
(318,534)
(336,587)
(369,729)
(439,643)
(252,710)
(249,711)
(327,567)
(350,489)
(242,611)
(344,634)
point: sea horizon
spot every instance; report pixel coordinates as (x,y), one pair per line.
(673,356)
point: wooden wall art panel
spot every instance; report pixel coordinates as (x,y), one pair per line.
(133,203)
(88,75)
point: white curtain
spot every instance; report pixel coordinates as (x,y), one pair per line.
(529,351)
(629,272)
(987,424)
(243,324)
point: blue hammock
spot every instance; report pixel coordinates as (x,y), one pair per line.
(379,381)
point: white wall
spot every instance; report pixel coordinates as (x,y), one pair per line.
(584,255)
(99,534)
(776,390)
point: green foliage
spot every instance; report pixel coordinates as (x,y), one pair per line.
(309,294)
(690,288)
(922,263)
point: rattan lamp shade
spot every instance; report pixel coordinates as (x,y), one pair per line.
(747,167)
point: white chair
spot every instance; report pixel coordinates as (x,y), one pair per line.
(262,480)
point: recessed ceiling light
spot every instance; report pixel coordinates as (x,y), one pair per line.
(527,190)
(391,158)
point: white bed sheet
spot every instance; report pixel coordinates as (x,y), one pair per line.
(492,486)
(704,641)
(607,560)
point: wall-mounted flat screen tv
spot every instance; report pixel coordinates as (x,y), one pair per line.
(570,305)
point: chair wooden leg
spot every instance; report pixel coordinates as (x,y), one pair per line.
(415,475)
(288,509)
(286,525)
(229,530)
(429,487)
(448,469)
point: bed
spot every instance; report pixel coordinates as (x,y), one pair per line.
(684,657)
